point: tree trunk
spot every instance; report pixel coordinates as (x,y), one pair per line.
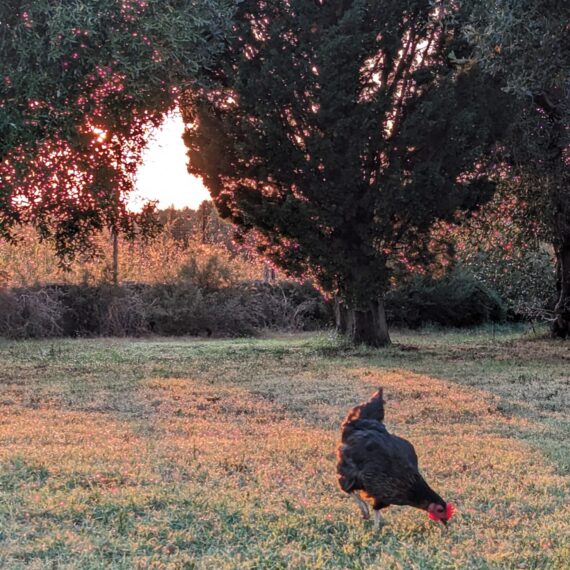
(364,326)
(204,225)
(561,325)
(340,316)
(115,268)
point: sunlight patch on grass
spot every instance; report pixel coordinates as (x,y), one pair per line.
(221,455)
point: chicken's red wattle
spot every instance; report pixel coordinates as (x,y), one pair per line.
(448,513)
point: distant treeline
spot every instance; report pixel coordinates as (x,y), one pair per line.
(188,237)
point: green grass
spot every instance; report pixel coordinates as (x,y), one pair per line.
(220,454)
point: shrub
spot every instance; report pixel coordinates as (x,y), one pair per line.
(176,309)
(287,305)
(458,299)
(526,283)
(232,313)
(125,313)
(31,313)
(165,309)
(241,310)
(210,273)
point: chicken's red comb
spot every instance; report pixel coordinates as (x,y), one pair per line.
(448,513)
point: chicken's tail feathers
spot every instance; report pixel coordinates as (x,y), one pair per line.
(347,472)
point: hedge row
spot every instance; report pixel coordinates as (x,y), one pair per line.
(161,309)
(183,308)
(456,300)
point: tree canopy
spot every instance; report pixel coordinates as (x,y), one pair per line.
(81,83)
(340,131)
(527,44)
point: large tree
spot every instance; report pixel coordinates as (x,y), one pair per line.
(81,83)
(527,44)
(339,131)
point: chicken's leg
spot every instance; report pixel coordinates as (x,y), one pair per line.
(377,519)
(378,505)
(362,505)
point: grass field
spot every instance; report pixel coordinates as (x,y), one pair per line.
(220,454)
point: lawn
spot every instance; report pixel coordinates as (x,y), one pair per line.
(221,454)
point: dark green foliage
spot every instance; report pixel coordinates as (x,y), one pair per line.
(164,309)
(340,131)
(526,42)
(457,300)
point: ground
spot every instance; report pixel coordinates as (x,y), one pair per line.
(221,454)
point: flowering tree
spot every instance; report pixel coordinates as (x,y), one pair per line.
(81,84)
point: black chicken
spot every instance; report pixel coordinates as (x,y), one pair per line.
(374,464)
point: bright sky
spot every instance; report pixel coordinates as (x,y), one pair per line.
(163,175)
